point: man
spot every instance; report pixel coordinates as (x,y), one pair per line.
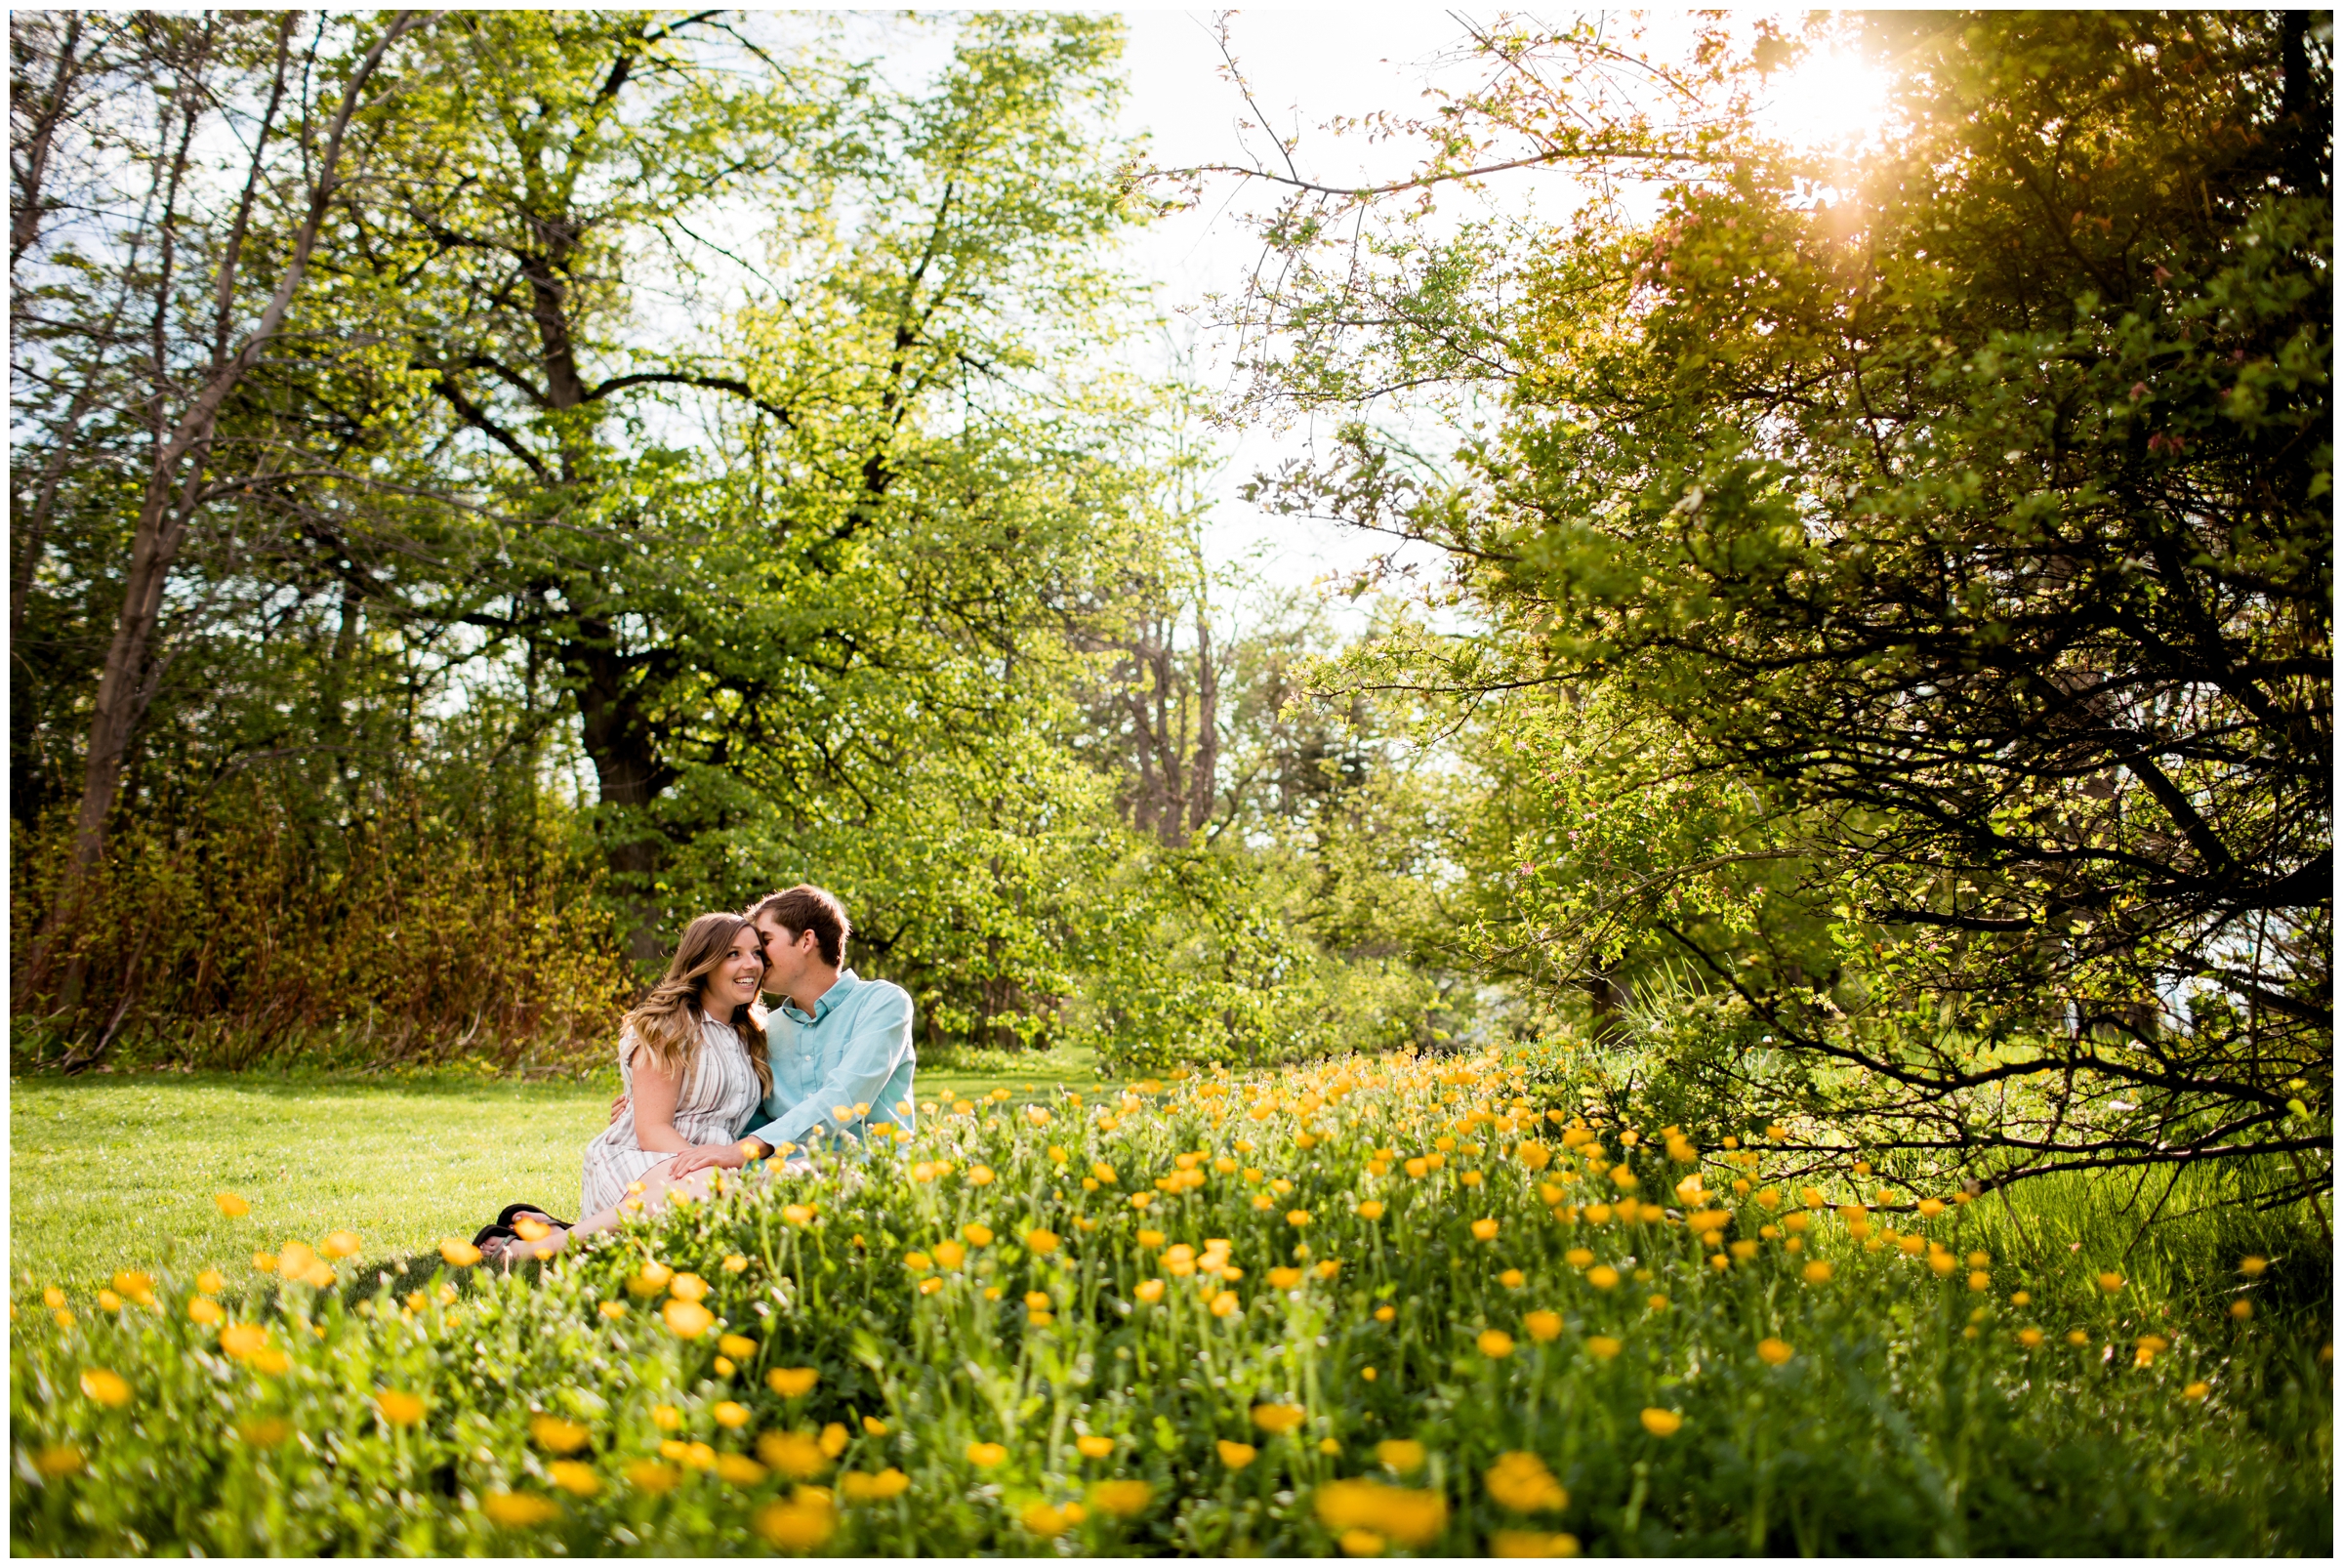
(840,1045)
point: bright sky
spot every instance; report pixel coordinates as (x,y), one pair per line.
(1306,67)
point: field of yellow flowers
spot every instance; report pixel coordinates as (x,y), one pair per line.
(1373,1307)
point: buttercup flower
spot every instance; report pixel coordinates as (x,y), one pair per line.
(1520,1481)
(792,1383)
(106,1387)
(1125,1500)
(518,1510)
(1495,1344)
(1403,1455)
(398,1408)
(1661,1422)
(1773,1352)
(1544,1327)
(984,1455)
(1278,1419)
(556,1435)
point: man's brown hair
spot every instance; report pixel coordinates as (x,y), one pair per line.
(807,908)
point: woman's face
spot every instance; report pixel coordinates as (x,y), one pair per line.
(735,981)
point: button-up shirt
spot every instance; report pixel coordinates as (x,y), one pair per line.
(842,1068)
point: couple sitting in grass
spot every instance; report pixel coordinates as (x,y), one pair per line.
(713,1081)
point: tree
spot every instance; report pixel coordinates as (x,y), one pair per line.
(1969,501)
(183,398)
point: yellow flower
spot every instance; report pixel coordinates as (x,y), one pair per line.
(834,1439)
(1817,1272)
(1602,1276)
(1603,1348)
(1122,1499)
(1521,1482)
(792,1383)
(739,1346)
(977,1235)
(518,1510)
(579,1480)
(1224,1303)
(687,1288)
(731,1414)
(398,1408)
(796,1455)
(2078,1339)
(1578,1258)
(1043,1520)
(459,1254)
(1484,1230)
(2110,1282)
(859,1487)
(613,1310)
(2197,1391)
(650,1475)
(1371,1209)
(1095,1447)
(230,1205)
(984,1455)
(1532,1543)
(1357,1542)
(1236,1456)
(1149,1289)
(1661,1422)
(1040,1242)
(1495,1344)
(1773,1352)
(106,1387)
(1412,1517)
(264,1262)
(1403,1455)
(2031,1338)
(801,1524)
(1284,1279)
(2252,1267)
(687,1319)
(874,1426)
(558,1435)
(735,1263)
(1328,1267)
(1277,1419)
(1930,1208)
(1544,1327)
(1657,1303)
(739,1469)
(1384,1314)
(2241,1309)
(264,1431)
(63,1459)
(141,1288)
(203,1309)
(1298,1218)
(2021,1298)
(340,1244)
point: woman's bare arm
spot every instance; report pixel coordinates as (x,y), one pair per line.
(655,1093)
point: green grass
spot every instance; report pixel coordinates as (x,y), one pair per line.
(119,1172)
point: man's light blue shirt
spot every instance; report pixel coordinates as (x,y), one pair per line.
(841,1069)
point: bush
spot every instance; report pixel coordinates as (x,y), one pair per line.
(1440,1315)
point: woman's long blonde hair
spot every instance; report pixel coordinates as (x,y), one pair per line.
(667,1022)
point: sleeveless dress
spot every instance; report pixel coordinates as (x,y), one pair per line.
(720,1094)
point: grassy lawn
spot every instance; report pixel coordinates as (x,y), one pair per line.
(113,1172)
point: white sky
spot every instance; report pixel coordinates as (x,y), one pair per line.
(1305,68)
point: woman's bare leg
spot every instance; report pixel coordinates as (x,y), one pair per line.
(656,1186)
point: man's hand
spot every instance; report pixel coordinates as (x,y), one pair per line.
(701,1157)
(618,1108)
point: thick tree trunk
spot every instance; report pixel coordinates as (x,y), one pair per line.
(620,743)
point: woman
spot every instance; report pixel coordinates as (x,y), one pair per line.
(692,1058)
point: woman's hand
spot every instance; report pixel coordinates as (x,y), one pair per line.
(724,1156)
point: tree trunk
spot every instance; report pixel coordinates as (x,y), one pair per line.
(172,496)
(630,775)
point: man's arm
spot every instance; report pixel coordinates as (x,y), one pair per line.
(880,1040)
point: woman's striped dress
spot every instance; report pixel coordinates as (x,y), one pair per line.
(721,1097)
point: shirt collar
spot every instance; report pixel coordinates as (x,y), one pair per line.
(847,980)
